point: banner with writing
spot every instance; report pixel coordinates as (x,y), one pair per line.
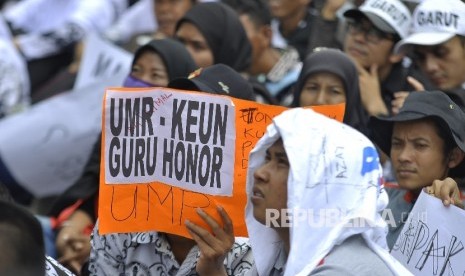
(101,59)
(432,240)
(187,142)
(168,152)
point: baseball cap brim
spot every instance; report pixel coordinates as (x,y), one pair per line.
(382,129)
(375,19)
(190,84)
(424,38)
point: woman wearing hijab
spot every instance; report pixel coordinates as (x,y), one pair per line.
(160,253)
(313,204)
(328,76)
(74,213)
(158,62)
(213,33)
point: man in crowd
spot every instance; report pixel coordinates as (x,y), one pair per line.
(437,45)
(385,77)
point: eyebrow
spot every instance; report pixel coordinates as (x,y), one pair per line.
(281,154)
(278,154)
(158,69)
(418,139)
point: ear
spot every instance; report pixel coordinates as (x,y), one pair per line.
(395,58)
(455,157)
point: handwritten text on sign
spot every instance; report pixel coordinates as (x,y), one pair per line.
(187,121)
(431,242)
(184,140)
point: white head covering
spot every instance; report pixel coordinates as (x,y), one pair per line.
(336,178)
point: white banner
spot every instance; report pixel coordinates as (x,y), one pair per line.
(101,59)
(46,147)
(185,140)
(432,240)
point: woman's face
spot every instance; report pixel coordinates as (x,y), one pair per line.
(270,184)
(196,44)
(168,12)
(150,68)
(322,89)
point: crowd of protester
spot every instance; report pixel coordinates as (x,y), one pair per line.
(399,67)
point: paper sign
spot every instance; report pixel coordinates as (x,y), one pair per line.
(101,59)
(432,240)
(184,140)
(189,150)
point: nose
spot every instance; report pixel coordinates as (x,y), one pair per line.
(261,174)
(320,97)
(405,154)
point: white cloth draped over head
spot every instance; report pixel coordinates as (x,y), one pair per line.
(335,190)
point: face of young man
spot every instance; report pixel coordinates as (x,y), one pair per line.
(270,183)
(444,64)
(367,45)
(417,154)
(168,12)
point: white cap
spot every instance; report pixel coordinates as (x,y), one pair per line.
(390,16)
(435,22)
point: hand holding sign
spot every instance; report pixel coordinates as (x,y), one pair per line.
(169,152)
(213,247)
(447,190)
(429,243)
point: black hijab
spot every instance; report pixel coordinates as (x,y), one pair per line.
(177,60)
(336,62)
(224,33)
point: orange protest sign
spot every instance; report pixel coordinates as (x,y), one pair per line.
(167,152)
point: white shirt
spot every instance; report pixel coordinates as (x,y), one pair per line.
(53,268)
(149,253)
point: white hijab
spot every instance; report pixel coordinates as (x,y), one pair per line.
(335,172)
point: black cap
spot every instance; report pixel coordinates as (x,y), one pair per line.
(418,105)
(216,79)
